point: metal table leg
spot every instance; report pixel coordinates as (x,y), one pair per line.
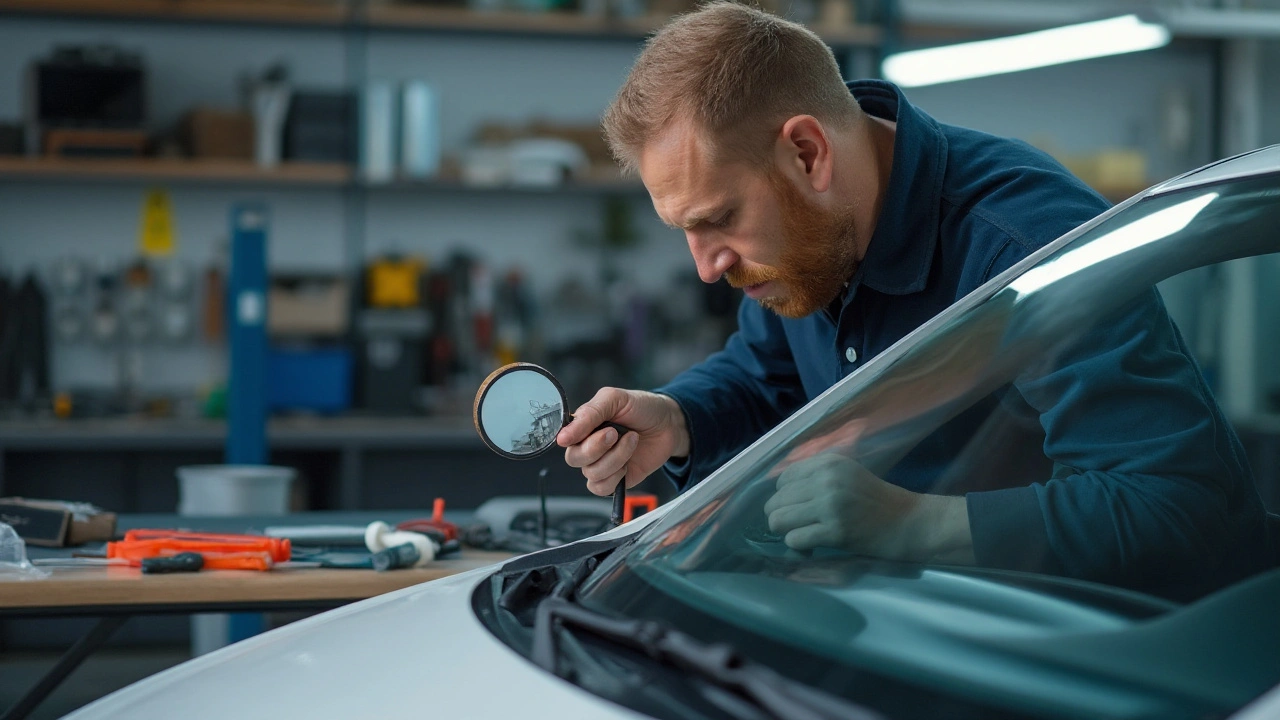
(66,665)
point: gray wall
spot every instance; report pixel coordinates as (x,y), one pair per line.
(1091,105)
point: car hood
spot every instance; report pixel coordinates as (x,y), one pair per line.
(416,651)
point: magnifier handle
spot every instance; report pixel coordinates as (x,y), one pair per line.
(619,502)
(620,492)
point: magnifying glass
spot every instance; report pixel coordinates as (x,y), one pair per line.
(520,409)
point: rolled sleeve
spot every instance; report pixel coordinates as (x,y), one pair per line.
(1009,531)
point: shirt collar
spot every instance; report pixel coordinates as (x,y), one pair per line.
(901,250)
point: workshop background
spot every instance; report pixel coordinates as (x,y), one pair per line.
(437,201)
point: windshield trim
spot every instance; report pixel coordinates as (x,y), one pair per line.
(1210,174)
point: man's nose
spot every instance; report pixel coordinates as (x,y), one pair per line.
(712,258)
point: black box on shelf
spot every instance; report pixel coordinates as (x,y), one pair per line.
(87,100)
(321,127)
(96,87)
(55,523)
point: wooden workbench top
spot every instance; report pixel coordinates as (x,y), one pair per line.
(117,586)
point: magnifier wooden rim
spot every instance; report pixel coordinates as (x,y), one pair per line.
(484,390)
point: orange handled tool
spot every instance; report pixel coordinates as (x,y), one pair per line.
(238,561)
(149,543)
(436,523)
(278,548)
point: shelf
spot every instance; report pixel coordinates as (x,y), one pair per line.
(321,175)
(297,174)
(283,433)
(173,170)
(286,12)
(382,16)
(597,181)
(425,17)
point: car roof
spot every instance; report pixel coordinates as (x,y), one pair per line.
(1262,161)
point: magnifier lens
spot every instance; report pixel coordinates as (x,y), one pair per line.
(521,412)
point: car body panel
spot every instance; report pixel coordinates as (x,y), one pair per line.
(420,649)
(417,651)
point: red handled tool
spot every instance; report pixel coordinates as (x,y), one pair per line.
(436,524)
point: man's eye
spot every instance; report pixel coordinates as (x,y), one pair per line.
(724,220)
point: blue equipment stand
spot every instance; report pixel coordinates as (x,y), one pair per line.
(247,381)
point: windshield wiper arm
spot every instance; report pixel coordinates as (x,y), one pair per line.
(718,663)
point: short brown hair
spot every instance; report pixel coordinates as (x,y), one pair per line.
(739,73)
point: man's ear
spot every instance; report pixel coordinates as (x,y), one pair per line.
(804,151)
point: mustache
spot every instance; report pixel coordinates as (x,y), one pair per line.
(740,277)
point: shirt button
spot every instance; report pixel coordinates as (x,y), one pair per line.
(851,355)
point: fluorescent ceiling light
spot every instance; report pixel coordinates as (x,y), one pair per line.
(1022,52)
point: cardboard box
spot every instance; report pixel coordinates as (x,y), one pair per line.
(55,523)
(314,305)
(210,133)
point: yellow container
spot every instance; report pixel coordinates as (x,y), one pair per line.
(395,282)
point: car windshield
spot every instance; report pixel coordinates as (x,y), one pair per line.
(1016,387)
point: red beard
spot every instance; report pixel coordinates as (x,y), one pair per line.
(819,255)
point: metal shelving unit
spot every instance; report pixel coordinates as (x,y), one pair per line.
(372,14)
(288,174)
(173,170)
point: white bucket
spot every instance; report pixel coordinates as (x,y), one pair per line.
(234,489)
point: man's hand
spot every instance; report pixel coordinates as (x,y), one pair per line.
(832,501)
(659,434)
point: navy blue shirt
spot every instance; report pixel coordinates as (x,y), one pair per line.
(1156,497)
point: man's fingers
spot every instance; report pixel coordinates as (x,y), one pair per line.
(788,518)
(606,486)
(810,537)
(592,449)
(793,493)
(607,403)
(794,473)
(613,463)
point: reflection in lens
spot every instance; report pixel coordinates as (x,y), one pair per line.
(522,412)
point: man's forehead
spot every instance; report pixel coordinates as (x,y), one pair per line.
(686,184)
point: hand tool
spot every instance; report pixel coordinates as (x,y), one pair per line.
(498,418)
(436,522)
(146,542)
(219,551)
(400,556)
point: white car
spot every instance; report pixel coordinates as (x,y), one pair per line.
(698,611)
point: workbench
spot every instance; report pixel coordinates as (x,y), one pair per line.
(117,590)
(115,593)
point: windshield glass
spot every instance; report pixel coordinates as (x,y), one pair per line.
(1045,400)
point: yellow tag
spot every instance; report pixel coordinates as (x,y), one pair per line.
(156,236)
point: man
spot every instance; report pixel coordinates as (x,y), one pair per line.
(849,218)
